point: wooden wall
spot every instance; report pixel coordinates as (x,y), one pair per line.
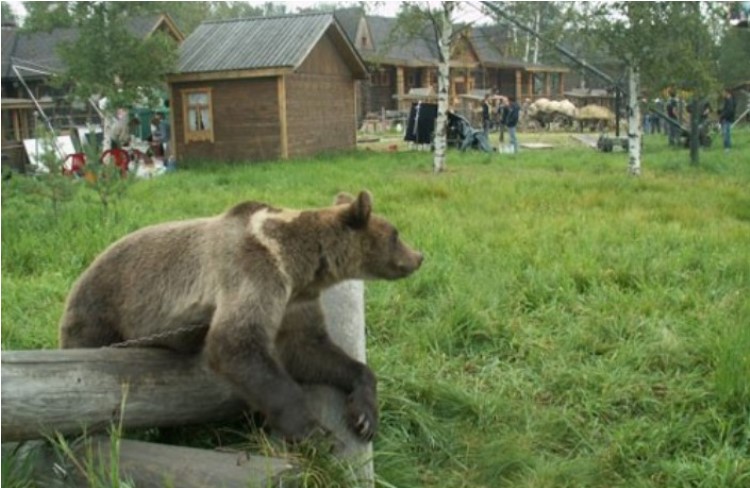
(246,121)
(248,126)
(321,103)
(381,96)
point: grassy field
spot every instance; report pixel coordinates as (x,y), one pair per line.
(571,326)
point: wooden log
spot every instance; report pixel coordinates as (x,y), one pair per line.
(150,465)
(72,389)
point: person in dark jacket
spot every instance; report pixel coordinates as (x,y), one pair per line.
(486,116)
(502,113)
(726,118)
(511,122)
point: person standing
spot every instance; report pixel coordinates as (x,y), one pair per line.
(502,113)
(673,128)
(512,122)
(726,118)
(166,134)
(656,124)
(155,145)
(486,116)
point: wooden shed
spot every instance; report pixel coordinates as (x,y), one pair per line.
(265,88)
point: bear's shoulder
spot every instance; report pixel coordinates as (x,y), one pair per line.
(246,209)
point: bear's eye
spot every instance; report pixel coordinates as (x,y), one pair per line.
(394,237)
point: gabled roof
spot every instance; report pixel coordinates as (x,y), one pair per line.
(488,42)
(40,49)
(394,47)
(349,20)
(389,45)
(10,35)
(262,43)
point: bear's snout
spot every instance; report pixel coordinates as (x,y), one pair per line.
(411,263)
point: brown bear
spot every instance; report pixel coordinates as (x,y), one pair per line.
(243,287)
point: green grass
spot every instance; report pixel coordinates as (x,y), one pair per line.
(571,325)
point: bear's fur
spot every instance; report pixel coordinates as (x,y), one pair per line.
(253,277)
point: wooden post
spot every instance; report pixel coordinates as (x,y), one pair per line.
(284,132)
(400,86)
(561,87)
(531,85)
(519,85)
(344,310)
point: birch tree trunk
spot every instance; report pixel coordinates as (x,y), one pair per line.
(634,121)
(527,49)
(441,124)
(537,22)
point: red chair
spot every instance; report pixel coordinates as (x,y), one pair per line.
(119,157)
(73,164)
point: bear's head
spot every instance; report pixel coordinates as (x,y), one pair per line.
(383,255)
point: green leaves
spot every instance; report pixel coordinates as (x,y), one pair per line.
(109,61)
(669,41)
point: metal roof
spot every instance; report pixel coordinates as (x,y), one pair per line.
(257,43)
(40,49)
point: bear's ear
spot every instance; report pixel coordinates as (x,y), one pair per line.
(343,198)
(358,213)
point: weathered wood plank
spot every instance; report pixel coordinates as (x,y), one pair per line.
(154,465)
(65,390)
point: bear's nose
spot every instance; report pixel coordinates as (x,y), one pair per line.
(420,258)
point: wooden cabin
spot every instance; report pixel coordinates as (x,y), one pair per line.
(401,62)
(29,60)
(265,88)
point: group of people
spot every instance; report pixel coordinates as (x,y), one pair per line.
(652,122)
(508,112)
(121,128)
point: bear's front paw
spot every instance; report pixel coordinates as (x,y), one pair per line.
(362,412)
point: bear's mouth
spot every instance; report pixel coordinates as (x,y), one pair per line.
(405,268)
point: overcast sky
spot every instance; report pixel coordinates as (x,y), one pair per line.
(468,13)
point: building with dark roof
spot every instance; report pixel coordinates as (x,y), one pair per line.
(35,57)
(402,64)
(265,88)
(36,54)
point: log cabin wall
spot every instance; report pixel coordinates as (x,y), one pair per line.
(320,101)
(245,116)
(381,88)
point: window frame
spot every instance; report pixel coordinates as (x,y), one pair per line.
(205,135)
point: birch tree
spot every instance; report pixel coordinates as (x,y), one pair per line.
(445,37)
(435,25)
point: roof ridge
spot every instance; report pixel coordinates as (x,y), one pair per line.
(266,17)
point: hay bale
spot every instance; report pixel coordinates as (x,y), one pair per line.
(595,112)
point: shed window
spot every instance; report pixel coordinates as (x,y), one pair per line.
(198,119)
